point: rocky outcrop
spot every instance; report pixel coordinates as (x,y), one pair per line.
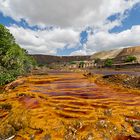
(132,51)
(127,81)
(14,84)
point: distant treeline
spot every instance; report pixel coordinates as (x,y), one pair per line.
(14,60)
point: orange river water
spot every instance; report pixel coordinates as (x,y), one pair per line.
(68,106)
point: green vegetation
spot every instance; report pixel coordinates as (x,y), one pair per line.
(42,65)
(81,64)
(108,62)
(130,59)
(72,62)
(14,61)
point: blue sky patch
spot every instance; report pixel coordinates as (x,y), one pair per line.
(132,19)
(7,21)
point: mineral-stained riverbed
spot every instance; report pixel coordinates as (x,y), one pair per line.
(68,106)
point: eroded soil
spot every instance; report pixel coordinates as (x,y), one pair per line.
(68,106)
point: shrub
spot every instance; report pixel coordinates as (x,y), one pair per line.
(130,59)
(14,61)
(72,62)
(108,62)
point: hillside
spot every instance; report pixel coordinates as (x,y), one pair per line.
(118,53)
(106,54)
(130,51)
(48,59)
(133,51)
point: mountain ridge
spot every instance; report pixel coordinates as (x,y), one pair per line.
(112,54)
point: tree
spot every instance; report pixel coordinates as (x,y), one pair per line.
(6,41)
(108,62)
(14,61)
(130,59)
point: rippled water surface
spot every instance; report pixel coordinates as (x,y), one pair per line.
(75,89)
(70,97)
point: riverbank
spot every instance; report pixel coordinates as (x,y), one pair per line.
(68,106)
(129,83)
(109,71)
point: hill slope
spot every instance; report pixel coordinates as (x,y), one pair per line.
(48,59)
(133,51)
(106,54)
(118,53)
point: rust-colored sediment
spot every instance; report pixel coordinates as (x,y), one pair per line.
(67,106)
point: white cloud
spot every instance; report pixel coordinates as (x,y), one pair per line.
(65,13)
(105,41)
(68,19)
(48,42)
(44,41)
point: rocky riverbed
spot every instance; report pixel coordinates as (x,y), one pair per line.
(69,106)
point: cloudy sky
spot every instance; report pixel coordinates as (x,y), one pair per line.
(72,27)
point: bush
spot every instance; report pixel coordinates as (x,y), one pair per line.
(130,59)
(72,62)
(14,61)
(108,62)
(6,77)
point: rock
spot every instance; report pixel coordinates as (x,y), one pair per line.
(88,74)
(70,134)
(102,124)
(14,84)
(32,137)
(77,125)
(108,112)
(11,138)
(6,131)
(47,137)
(123,137)
(70,137)
(89,136)
(136,128)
